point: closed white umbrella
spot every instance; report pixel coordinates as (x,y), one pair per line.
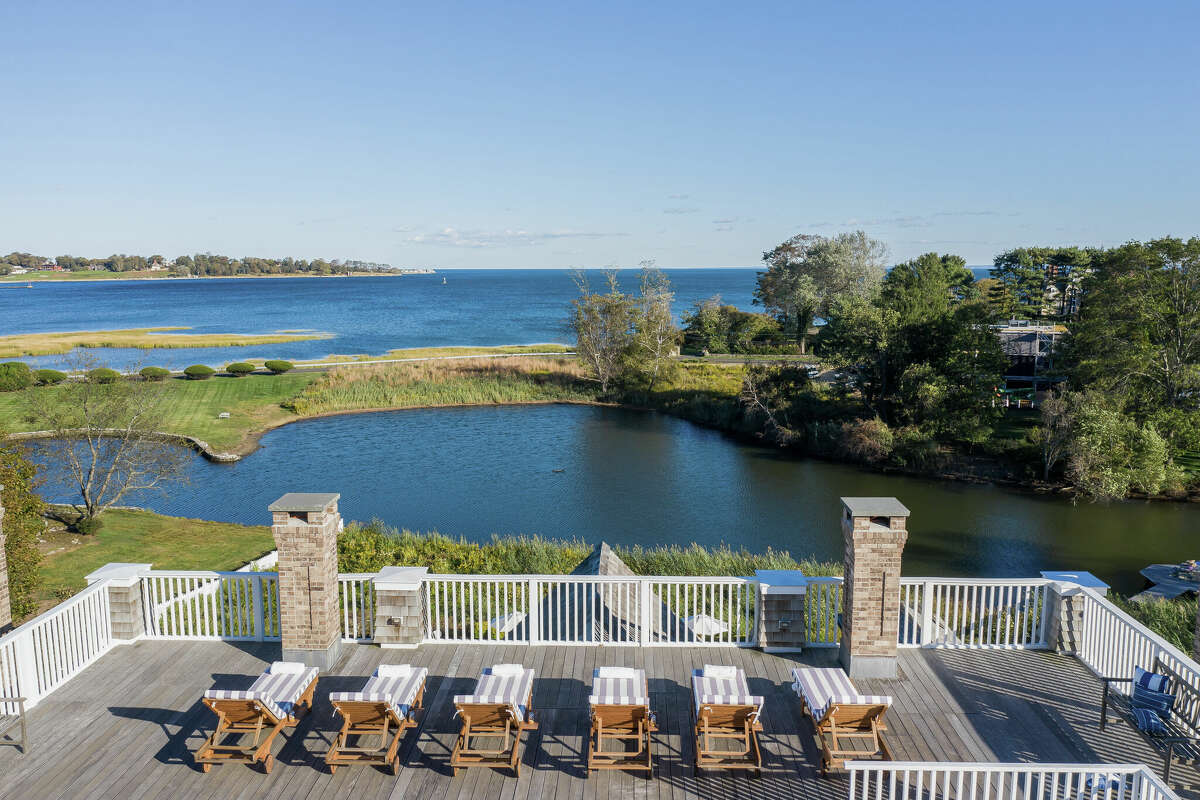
(508,622)
(705,625)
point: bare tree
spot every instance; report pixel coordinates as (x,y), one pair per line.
(656,336)
(106,437)
(604,328)
(1054,434)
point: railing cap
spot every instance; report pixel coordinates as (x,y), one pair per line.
(119,573)
(1077,577)
(400,578)
(782,581)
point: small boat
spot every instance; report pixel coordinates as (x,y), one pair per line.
(29,285)
(443,281)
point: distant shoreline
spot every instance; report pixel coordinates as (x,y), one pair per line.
(63,278)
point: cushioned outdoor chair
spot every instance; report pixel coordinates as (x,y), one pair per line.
(849,725)
(621,716)
(500,709)
(386,707)
(277,699)
(726,719)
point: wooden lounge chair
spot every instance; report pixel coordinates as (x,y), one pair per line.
(620,703)
(276,700)
(12,715)
(849,725)
(501,708)
(386,707)
(725,712)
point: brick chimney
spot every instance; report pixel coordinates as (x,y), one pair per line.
(5,602)
(305,527)
(875,530)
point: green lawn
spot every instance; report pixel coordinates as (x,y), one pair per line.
(192,407)
(144,537)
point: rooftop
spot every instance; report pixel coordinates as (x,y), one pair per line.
(127,725)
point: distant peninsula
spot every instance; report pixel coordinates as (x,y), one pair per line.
(18,266)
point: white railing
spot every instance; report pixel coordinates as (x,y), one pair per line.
(920,780)
(823,611)
(49,650)
(1111,643)
(232,606)
(973,613)
(579,610)
(356,598)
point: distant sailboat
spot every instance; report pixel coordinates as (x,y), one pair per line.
(443,281)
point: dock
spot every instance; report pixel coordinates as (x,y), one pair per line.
(1165,585)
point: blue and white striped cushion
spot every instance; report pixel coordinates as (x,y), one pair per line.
(1149,721)
(1150,680)
(1158,702)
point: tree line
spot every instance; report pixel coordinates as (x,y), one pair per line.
(914,364)
(204,264)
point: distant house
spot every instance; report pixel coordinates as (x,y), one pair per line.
(18,271)
(1030,349)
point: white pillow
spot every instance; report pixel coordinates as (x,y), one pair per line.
(616,672)
(393,670)
(721,673)
(508,669)
(287,668)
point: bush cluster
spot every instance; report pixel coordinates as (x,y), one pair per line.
(49,377)
(278,367)
(239,369)
(15,376)
(103,375)
(199,372)
(154,374)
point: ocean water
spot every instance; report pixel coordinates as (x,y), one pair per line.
(365,315)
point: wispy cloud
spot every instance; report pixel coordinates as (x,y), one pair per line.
(453,237)
(678,196)
(907,221)
(680,210)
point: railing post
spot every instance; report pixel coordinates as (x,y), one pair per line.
(644,593)
(926,613)
(127,619)
(533,617)
(260,622)
(399,622)
(28,680)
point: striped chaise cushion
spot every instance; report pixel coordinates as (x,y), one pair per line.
(617,686)
(278,691)
(508,687)
(398,690)
(821,687)
(1151,680)
(1158,702)
(1149,721)
(723,691)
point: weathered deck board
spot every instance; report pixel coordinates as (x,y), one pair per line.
(122,730)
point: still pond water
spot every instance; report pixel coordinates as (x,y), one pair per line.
(628,477)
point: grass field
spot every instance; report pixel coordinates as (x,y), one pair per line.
(45,344)
(444,352)
(88,275)
(192,407)
(144,537)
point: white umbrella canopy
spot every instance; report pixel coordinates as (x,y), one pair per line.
(706,625)
(508,622)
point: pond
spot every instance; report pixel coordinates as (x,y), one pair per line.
(629,477)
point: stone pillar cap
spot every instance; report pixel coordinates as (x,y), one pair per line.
(874,507)
(306,502)
(121,573)
(400,578)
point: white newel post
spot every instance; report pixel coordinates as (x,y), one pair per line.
(533,621)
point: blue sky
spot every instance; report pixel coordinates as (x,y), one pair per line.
(565,134)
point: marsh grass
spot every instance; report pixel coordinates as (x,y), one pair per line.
(445,383)
(370,547)
(1174,620)
(45,344)
(441,352)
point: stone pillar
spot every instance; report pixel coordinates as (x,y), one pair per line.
(875,531)
(399,622)
(305,527)
(782,610)
(5,600)
(125,607)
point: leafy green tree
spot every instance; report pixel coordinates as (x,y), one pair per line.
(23,526)
(1038,282)
(807,274)
(655,335)
(604,324)
(1110,453)
(926,287)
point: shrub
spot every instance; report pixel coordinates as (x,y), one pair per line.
(915,447)
(199,372)
(868,440)
(103,375)
(14,376)
(88,526)
(155,374)
(239,369)
(49,377)
(279,367)
(24,526)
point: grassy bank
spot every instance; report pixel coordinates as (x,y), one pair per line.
(444,352)
(192,408)
(46,344)
(443,383)
(145,537)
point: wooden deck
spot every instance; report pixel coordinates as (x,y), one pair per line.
(127,726)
